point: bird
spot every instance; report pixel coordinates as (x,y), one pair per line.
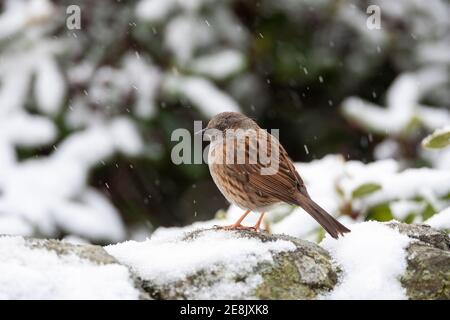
(247,180)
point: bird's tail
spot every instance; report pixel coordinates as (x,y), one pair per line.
(330,224)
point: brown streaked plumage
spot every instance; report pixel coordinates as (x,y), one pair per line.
(241,180)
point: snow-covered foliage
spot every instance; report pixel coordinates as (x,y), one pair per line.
(57,95)
(72,99)
(353,192)
(403,105)
(28,272)
(439,139)
(50,194)
(417,100)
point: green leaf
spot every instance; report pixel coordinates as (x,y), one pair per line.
(381,212)
(410,218)
(446,197)
(428,212)
(438,139)
(365,190)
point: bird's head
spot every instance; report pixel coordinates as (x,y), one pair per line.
(224,121)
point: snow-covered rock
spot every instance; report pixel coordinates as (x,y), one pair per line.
(216,264)
(428,259)
(51,269)
(375,261)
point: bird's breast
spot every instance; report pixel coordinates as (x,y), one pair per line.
(232,181)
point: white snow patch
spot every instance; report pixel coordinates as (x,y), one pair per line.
(37,273)
(20,128)
(19,15)
(202,93)
(373,258)
(186,33)
(386,149)
(433,118)
(218,65)
(50,86)
(427,183)
(165,260)
(440,220)
(154,10)
(12,225)
(50,193)
(402,101)
(402,208)
(73,239)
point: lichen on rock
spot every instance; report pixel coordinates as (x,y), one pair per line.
(428,273)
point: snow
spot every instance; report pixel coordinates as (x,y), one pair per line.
(50,86)
(356,19)
(20,62)
(408,184)
(136,77)
(372,258)
(154,10)
(206,42)
(434,52)
(402,104)
(145,78)
(27,273)
(433,118)
(164,260)
(17,15)
(439,159)
(389,148)
(51,193)
(298,223)
(402,208)
(93,217)
(202,93)
(22,129)
(184,34)
(125,136)
(73,239)
(80,73)
(14,89)
(440,220)
(12,225)
(157,10)
(218,65)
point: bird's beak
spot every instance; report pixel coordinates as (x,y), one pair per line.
(200,131)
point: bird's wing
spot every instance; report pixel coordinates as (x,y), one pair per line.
(283,184)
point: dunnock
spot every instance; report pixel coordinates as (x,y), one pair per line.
(253,171)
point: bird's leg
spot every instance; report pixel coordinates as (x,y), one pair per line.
(237,224)
(258,223)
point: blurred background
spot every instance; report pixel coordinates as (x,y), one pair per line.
(88,106)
